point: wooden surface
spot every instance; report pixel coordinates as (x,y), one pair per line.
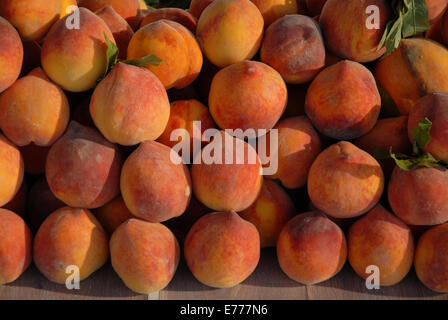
(267,282)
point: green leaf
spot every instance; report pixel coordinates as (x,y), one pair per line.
(144,61)
(111,54)
(421,134)
(411,18)
(409,163)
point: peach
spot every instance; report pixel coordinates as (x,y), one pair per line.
(34,158)
(34,110)
(182,224)
(173,43)
(343,24)
(270,212)
(183,114)
(70,237)
(158,194)
(420,196)
(247,95)
(343,101)
(120,29)
(127,9)
(431,258)
(436,8)
(142,5)
(145,255)
(175,14)
(76,58)
(197,6)
(418,67)
(11,54)
(11,170)
(298,146)
(33,19)
(41,202)
(113,214)
(225,184)
(18,203)
(293,46)
(272,10)
(382,240)
(67,7)
(230,31)
(435,32)
(311,248)
(222,249)
(387,133)
(130,105)
(433,106)
(314,7)
(345,181)
(15,246)
(83,168)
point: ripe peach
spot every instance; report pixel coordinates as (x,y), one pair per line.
(382,240)
(15,246)
(120,29)
(419,66)
(311,248)
(33,19)
(173,43)
(345,181)
(343,101)
(247,95)
(41,203)
(183,114)
(230,31)
(298,146)
(112,214)
(387,133)
(70,237)
(158,194)
(431,258)
(227,184)
(11,54)
(83,168)
(175,14)
(76,58)
(197,6)
(272,10)
(34,110)
(145,255)
(433,106)
(270,212)
(293,46)
(127,9)
(66,8)
(11,170)
(436,8)
(222,249)
(343,24)
(130,105)
(420,196)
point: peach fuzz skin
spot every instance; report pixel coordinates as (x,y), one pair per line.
(311,248)
(70,236)
(222,249)
(145,255)
(15,246)
(383,240)
(345,181)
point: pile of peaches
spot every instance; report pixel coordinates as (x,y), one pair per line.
(87,167)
